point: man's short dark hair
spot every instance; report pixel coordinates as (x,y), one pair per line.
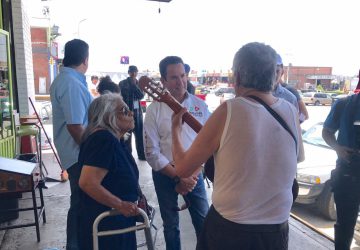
(255,66)
(76,52)
(168,61)
(187,68)
(94,77)
(106,85)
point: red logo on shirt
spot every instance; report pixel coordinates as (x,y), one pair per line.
(197,108)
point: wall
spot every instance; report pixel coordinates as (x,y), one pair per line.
(299,75)
(23,56)
(40,52)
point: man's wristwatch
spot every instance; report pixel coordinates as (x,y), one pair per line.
(176,179)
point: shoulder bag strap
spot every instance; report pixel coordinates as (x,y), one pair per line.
(276,116)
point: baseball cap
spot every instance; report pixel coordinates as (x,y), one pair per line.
(133,68)
(279,60)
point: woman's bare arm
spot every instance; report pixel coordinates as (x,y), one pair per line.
(90,182)
(204,145)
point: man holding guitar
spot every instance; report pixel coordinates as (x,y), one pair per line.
(158,141)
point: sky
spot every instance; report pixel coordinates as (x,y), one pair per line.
(206,34)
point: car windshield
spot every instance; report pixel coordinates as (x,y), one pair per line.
(314,136)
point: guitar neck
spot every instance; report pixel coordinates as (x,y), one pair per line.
(187,117)
(158,92)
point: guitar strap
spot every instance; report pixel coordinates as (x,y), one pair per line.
(276,116)
(295,186)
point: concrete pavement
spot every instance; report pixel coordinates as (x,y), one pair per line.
(53,233)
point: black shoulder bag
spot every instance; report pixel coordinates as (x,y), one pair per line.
(295,187)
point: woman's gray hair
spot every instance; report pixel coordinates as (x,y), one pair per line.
(254,66)
(103,114)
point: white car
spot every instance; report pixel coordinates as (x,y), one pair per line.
(317,99)
(313,174)
(227,96)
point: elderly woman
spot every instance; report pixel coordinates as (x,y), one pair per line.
(255,159)
(109,175)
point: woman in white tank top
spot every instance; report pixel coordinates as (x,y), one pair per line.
(255,159)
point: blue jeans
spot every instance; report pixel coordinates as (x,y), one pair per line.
(73,215)
(168,201)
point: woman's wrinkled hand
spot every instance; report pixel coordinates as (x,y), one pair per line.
(128,209)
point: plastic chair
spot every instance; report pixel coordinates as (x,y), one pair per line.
(28,130)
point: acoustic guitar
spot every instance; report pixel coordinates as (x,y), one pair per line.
(159,93)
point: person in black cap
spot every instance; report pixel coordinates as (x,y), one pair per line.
(190,88)
(132,95)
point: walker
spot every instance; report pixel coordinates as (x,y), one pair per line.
(146,226)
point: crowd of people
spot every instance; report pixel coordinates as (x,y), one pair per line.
(253,187)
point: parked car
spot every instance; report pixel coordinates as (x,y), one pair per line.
(315,98)
(227,96)
(201,90)
(221,91)
(337,97)
(313,174)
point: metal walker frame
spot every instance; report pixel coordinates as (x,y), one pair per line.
(146,226)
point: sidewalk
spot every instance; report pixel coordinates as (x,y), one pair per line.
(53,232)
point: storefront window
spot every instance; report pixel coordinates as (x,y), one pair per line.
(5,99)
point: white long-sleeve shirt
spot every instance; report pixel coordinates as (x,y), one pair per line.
(157,130)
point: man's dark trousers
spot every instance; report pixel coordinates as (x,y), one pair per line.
(138,131)
(73,214)
(347,200)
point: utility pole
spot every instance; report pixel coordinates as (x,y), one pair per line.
(78,31)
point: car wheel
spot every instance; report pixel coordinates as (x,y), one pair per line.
(317,103)
(326,203)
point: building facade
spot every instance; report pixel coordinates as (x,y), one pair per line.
(45,57)
(16,66)
(302,77)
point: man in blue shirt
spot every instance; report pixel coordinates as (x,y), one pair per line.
(280,91)
(344,117)
(303,113)
(70,99)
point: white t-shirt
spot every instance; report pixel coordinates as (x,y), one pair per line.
(256,163)
(157,130)
(92,89)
